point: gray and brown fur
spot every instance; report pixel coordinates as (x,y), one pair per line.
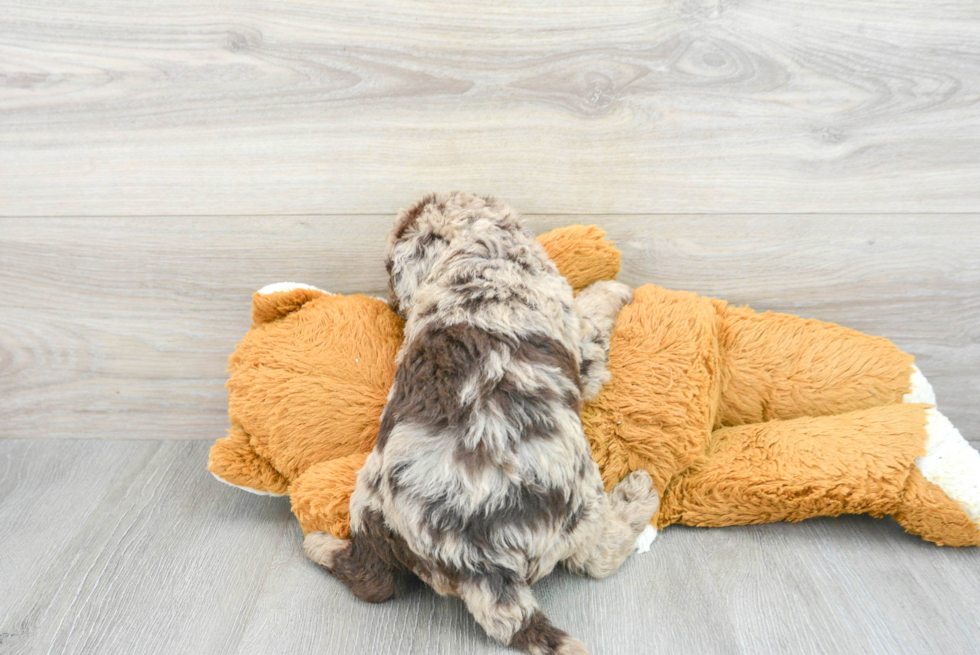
(481,480)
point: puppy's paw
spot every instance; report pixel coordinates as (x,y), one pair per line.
(607,298)
(635,499)
(323,548)
(621,293)
(637,484)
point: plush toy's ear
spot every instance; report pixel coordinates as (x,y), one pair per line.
(277,300)
(582,253)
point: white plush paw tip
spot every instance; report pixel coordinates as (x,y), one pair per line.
(645,540)
(920,391)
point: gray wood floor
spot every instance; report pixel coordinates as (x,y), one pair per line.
(132,547)
(161,161)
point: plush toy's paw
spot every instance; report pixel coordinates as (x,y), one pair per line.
(920,391)
(951,465)
(323,548)
(942,497)
(645,540)
(635,500)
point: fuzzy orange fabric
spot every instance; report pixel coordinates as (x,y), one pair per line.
(854,463)
(310,386)
(657,410)
(322,494)
(582,254)
(778,366)
(925,510)
(235,460)
(740,417)
(268,307)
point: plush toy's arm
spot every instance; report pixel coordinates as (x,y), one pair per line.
(234,461)
(582,254)
(321,495)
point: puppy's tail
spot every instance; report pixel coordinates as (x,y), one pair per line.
(507,610)
(539,637)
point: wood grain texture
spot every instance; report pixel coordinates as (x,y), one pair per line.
(660,604)
(153,556)
(128,547)
(323,107)
(46,490)
(847,585)
(121,328)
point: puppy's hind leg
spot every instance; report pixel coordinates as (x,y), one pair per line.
(357,563)
(610,534)
(597,307)
(506,609)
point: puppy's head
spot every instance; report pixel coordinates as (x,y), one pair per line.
(422,234)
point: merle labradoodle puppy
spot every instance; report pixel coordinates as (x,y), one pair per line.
(481,480)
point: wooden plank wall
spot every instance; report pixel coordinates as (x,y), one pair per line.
(326,107)
(160,161)
(121,327)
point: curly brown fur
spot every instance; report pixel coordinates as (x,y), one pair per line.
(481,480)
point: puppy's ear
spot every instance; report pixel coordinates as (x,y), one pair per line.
(409,263)
(419,236)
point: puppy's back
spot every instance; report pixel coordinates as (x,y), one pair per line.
(480,457)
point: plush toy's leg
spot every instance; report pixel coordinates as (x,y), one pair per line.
(946,482)
(778,367)
(507,610)
(597,307)
(607,536)
(869,461)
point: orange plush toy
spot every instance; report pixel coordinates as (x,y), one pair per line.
(740,417)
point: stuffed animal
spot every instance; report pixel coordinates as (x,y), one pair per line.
(740,417)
